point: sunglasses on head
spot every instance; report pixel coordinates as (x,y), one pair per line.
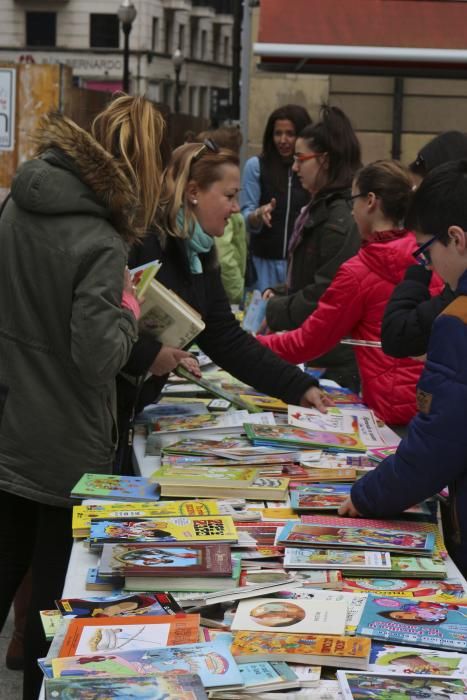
(208,145)
(423,255)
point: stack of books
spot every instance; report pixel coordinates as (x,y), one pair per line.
(228,574)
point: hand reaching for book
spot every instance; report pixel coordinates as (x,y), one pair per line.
(315,398)
(348,509)
(167,360)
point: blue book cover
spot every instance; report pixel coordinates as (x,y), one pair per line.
(319,496)
(211,661)
(297,534)
(255,315)
(411,621)
(162,687)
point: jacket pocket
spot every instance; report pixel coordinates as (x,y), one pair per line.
(4,390)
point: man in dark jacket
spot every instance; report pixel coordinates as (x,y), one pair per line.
(434,453)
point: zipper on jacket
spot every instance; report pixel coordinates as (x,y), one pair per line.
(287,215)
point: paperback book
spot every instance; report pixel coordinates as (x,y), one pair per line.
(122,605)
(409,621)
(321,650)
(107,636)
(359,685)
(320,496)
(388,659)
(217,391)
(83,514)
(344,560)
(334,421)
(295,616)
(448,591)
(211,661)
(164,686)
(165,561)
(207,530)
(272,435)
(115,487)
(142,276)
(296,534)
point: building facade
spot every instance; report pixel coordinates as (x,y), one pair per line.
(86,35)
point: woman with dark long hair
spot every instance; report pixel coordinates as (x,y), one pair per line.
(271,196)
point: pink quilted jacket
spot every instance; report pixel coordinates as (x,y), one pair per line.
(353,305)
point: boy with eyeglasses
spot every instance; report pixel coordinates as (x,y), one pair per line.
(434,453)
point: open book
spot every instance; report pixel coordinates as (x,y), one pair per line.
(166,316)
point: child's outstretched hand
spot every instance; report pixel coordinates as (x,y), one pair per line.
(348,509)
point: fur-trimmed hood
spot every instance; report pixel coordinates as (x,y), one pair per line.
(72,173)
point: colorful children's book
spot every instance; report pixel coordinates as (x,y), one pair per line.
(299,437)
(320,496)
(388,659)
(51,621)
(211,661)
(164,686)
(261,487)
(365,685)
(113,634)
(207,530)
(115,487)
(264,403)
(298,534)
(448,591)
(122,605)
(296,558)
(322,650)
(334,421)
(318,474)
(82,515)
(165,561)
(255,314)
(417,567)
(155,411)
(409,621)
(378,454)
(341,395)
(204,476)
(264,676)
(142,277)
(295,616)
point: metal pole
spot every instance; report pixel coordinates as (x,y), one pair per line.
(177,89)
(397,112)
(245,78)
(126,57)
(236,53)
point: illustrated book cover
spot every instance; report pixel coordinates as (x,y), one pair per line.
(164,686)
(299,437)
(362,685)
(388,659)
(107,636)
(122,605)
(294,616)
(410,621)
(115,487)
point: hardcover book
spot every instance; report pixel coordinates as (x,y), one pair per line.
(168,317)
(164,686)
(211,661)
(320,496)
(142,277)
(295,616)
(115,487)
(166,561)
(388,659)
(409,621)
(108,636)
(296,534)
(207,530)
(358,685)
(322,650)
(122,605)
(262,487)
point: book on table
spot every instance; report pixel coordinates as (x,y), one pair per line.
(389,659)
(322,650)
(168,317)
(341,559)
(272,435)
(115,487)
(165,561)
(205,584)
(358,685)
(204,530)
(121,605)
(103,636)
(163,685)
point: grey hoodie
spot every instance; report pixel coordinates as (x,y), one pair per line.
(63,333)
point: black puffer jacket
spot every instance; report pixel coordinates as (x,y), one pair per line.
(410,314)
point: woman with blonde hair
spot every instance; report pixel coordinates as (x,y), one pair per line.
(67,325)
(200,194)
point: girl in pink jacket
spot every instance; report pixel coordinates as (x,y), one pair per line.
(354,303)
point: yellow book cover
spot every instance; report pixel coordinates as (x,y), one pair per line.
(204,476)
(205,529)
(266,403)
(81,520)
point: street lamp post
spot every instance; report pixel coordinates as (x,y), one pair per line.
(126,14)
(177,60)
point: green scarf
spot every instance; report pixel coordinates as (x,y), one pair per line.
(197,242)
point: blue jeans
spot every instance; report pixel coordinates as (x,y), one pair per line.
(270,273)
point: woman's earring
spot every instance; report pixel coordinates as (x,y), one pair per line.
(194,202)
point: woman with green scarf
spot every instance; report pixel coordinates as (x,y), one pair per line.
(199,195)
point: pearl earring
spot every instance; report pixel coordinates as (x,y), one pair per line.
(194,202)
